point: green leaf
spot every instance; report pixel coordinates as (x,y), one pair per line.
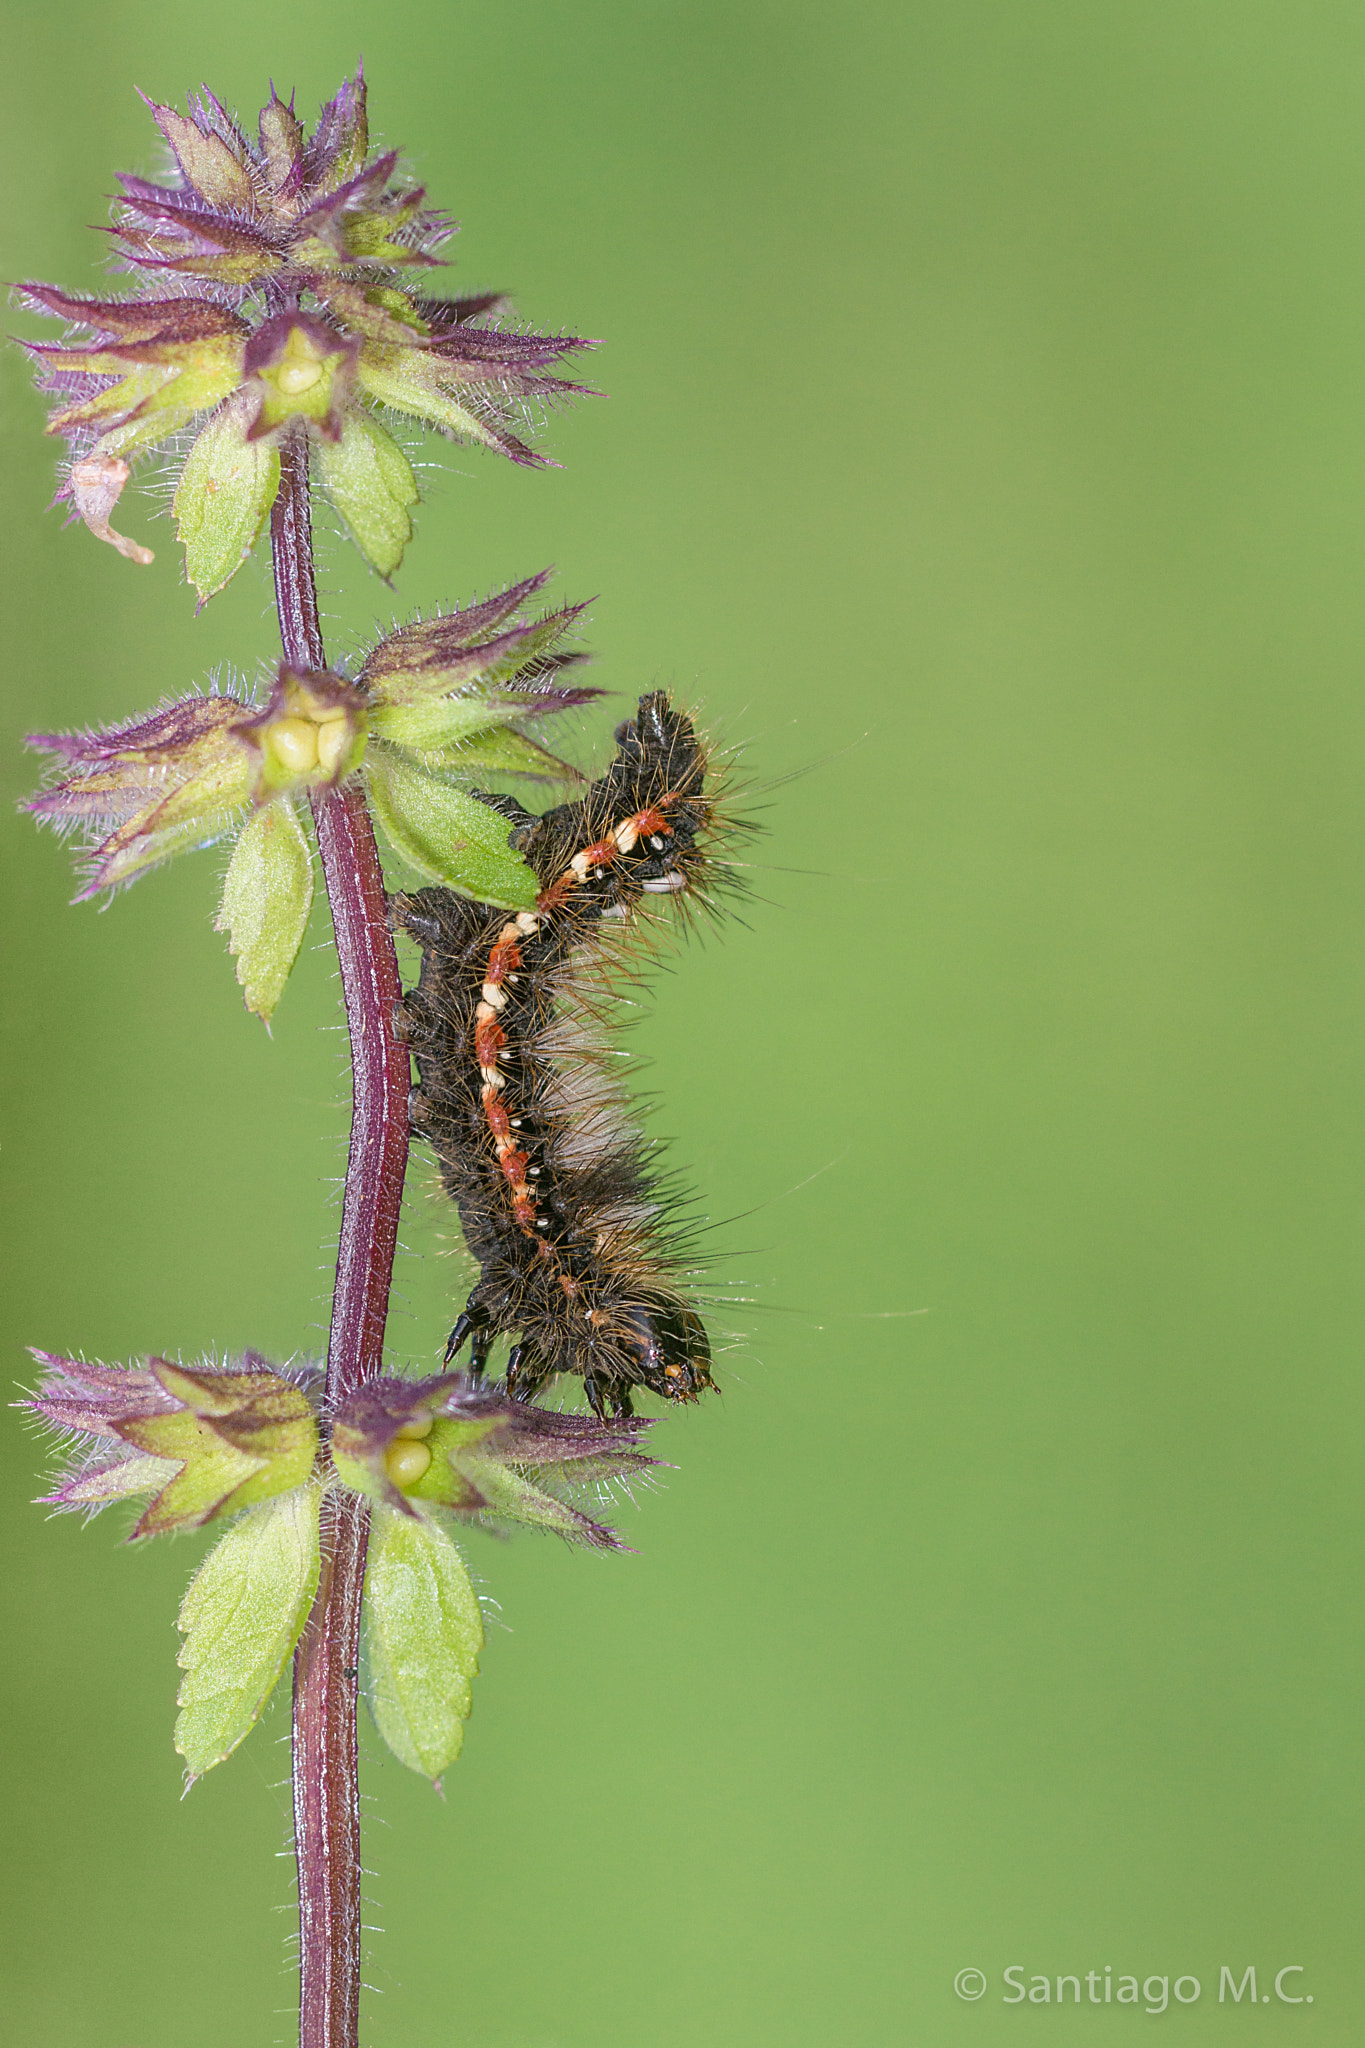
(467,734)
(210,1472)
(371,483)
(266,899)
(424,1633)
(140,1473)
(226,489)
(417,663)
(405,379)
(144,431)
(511,753)
(213,169)
(445,833)
(241,1617)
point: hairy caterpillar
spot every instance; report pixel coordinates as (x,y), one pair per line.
(557,1203)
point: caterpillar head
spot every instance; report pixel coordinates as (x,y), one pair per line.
(636,831)
(668,1349)
(659,776)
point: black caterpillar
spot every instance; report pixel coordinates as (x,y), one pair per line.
(557,1204)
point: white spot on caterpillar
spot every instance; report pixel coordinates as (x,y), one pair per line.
(492,1080)
(493,997)
(665,885)
(626,834)
(526,923)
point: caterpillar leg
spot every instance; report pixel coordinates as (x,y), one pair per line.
(527,1372)
(604,1394)
(595,1389)
(413,1022)
(463,1328)
(522,1381)
(404,916)
(473,1326)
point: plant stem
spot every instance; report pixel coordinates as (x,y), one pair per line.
(326,1789)
(326,1785)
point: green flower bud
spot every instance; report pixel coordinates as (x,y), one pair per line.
(451,1443)
(455,690)
(207,1440)
(436,704)
(302,369)
(140,793)
(310,732)
(312,240)
(183,776)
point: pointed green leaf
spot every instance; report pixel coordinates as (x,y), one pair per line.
(405,379)
(424,1633)
(464,733)
(241,1617)
(144,431)
(371,483)
(118,1480)
(266,899)
(214,170)
(210,1475)
(412,666)
(510,753)
(434,725)
(226,488)
(445,833)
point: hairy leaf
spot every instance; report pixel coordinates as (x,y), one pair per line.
(267,894)
(371,483)
(424,1633)
(241,1617)
(446,833)
(225,491)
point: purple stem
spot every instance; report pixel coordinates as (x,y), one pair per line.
(326,1790)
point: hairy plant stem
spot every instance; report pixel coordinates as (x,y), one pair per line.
(326,1791)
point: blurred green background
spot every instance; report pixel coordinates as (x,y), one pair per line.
(985,450)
